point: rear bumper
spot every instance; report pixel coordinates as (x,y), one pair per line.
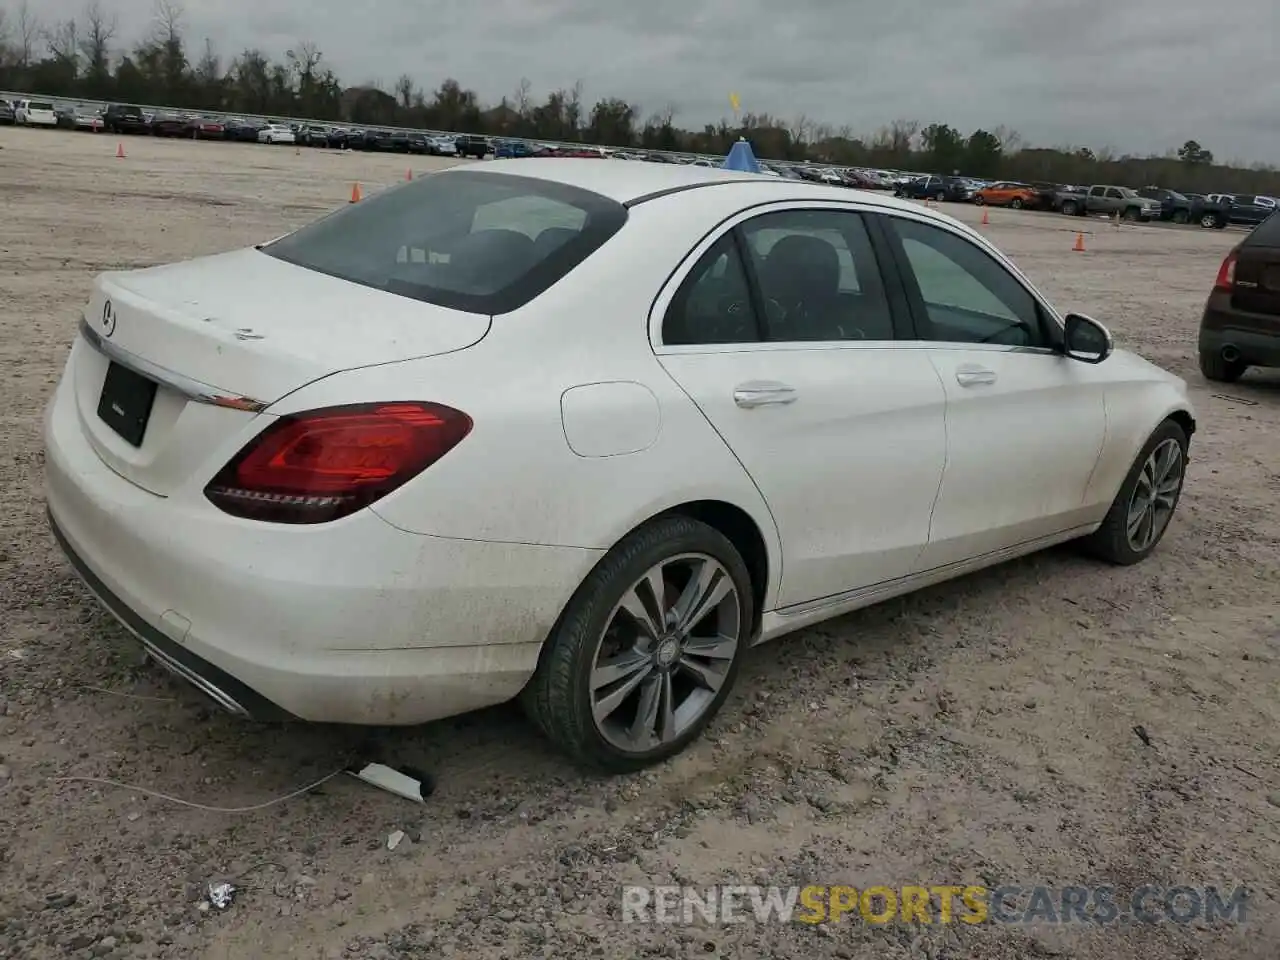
(1255,337)
(351,622)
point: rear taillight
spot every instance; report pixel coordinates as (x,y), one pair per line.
(324,464)
(1226,273)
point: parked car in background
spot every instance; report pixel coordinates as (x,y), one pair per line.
(1111,200)
(122,118)
(1178,207)
(1007,193)
(204,128)
(6,113)
(472,145)
(35,113)
(1248,210)
(1240,327)
(276,133)
(934,187)
(168,125)
(241,130)
(312,135)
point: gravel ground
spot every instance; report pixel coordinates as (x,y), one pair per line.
(979,732)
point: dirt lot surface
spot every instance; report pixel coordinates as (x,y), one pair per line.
(981,732)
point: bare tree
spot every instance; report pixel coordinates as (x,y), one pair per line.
(902,135)
(404,90)
(522,97)
(1010,140)
(799,128)
(168,22)
(63,42)
(96,43)
(28,33)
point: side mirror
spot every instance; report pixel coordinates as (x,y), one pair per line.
(1086,340)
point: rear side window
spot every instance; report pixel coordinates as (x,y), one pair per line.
(478,242)
(38,105)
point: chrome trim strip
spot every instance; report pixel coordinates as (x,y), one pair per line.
(188,387)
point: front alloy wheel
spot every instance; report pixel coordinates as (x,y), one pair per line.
(647,649)
(1140,514)
(1154,496)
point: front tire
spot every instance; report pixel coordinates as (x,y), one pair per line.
(1069,208)
(1142,510)
(647,649)
(1016,203)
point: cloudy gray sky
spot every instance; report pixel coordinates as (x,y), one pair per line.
(1136,75)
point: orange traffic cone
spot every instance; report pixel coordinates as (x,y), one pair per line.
(355,193)
(408,174)
(119,151)
(986,217)
(1079,246)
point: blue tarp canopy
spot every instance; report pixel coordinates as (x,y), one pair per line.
(741,158)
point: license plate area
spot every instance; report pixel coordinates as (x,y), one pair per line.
(126,402)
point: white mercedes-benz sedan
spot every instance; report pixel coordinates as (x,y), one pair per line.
(581,433)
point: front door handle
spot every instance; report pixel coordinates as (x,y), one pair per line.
(974,376)
(763,393)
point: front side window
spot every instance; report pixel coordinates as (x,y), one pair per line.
(818,276)
(966,295)
(478,242)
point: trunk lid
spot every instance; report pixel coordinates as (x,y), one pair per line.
(223,337)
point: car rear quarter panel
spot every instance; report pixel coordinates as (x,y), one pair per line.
(515,477)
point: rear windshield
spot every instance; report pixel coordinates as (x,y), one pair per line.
(1265,234)
(479,242)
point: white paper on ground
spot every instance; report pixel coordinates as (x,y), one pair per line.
(393,781)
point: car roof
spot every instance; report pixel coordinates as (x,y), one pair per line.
(630,181)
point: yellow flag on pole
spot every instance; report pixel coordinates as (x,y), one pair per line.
(735,102)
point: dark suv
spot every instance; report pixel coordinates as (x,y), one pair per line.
(472,145)
(124,118)
(1241,323)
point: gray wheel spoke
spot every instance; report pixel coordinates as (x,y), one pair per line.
(645,604)
(1137,513)
(605,706)
(706,588)
(705,674)
(619,668)
(713,648)
(644,727)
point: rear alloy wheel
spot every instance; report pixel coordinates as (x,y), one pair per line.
(1209,221)
(648,648)
(1141,511)
(1216,368)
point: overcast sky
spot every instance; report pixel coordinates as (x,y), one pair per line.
(1136,75)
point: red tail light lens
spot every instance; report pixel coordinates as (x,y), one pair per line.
(324,464)
(1226,273)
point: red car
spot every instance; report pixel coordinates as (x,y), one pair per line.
(203,128)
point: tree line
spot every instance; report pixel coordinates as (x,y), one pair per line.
(84,57)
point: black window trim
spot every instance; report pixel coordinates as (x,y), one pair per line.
(905,277)
(544,275)
(899,307)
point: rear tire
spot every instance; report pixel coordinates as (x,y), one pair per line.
(1215,368)
(1210,220)
(565,697)
(1142,510)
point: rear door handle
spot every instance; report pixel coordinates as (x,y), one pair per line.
(970,376)
(763,393)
